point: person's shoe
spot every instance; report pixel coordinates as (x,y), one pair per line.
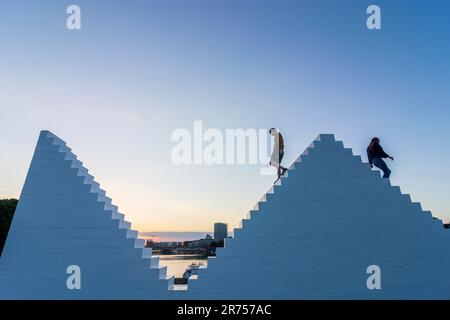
(284,171)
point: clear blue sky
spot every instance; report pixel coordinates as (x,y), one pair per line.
(138,70)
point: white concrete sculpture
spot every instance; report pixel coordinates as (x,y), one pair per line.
(65,224)
(333,230)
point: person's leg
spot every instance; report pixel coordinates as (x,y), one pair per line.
(379,163)
(281,169)
(278,174)
(387,173)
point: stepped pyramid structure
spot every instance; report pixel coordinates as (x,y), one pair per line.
(315,235)
(64,218)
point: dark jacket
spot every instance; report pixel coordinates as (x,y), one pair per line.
(281,142)
(374,150)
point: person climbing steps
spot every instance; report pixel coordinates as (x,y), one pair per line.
(278,153)
(376,154)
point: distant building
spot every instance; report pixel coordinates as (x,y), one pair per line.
(220,231)
(202,243)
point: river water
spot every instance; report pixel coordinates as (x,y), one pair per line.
(177,264)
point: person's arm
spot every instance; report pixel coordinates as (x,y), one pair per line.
(281,142)
(385,155)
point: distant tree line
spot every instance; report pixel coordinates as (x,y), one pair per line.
(7,209)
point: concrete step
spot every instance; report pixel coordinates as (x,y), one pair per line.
(162,272)
(438,221)
(69,155)
(82,171)
(139,243)
(427,213)
(251,214)
(117,216)
(105,199)
(132,234)
(124,224)
(154,262)
(263,198)
(170,282)
(244,223)
(88,179)
(406,197)
(111,207)
(146,253)
(237,232)
(55,139)
(101,193)
(95,186)
(76,164)
(417,206)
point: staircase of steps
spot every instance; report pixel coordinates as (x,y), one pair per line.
(110,209)
(275,189)
(306,158)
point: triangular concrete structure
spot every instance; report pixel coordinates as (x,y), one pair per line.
(315,235)
(64,218)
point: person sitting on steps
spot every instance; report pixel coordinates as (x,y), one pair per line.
(278,152)
(376,154)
